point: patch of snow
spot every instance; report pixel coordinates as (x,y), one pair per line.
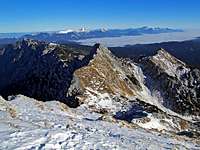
(53,44)
(99,100)
(154,123)
(71,31)
(66,31)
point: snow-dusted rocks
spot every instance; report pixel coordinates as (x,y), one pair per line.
(53,125)
(178,83)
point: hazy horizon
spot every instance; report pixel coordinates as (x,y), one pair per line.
(75,29)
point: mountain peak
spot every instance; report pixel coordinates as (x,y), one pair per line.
(83,30)
(167,61)
(173,78)
(25,43)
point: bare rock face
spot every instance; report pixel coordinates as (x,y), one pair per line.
(104,74)
(106,82)
(178,83)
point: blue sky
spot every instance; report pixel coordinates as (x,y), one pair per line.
(50,15)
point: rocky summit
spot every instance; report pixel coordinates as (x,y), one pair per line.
(177,83)
(158,93)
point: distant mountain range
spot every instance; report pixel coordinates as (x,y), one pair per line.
(83,33)
(72,35)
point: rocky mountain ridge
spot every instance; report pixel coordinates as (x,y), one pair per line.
(158,92)
(29,65)
(178,83)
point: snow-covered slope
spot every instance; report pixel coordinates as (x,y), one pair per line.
(28,124)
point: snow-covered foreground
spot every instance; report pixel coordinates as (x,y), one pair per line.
(29,124)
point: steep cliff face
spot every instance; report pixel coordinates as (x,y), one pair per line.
(106,81)
(178,84)
(40,70)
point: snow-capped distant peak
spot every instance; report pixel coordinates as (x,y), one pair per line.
(65,31)
(83,30)
(70,31)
